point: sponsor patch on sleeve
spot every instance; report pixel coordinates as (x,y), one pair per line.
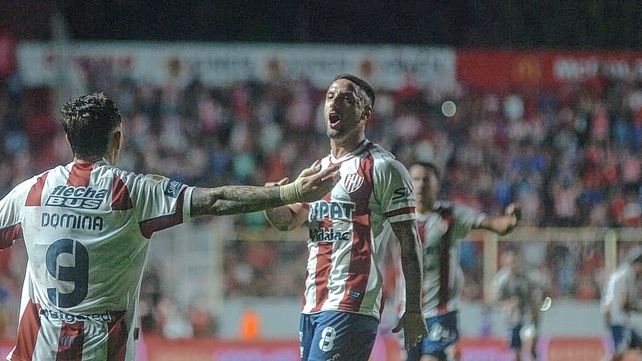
(173,188)
(157,178)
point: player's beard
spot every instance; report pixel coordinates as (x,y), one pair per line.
(342,132)
(333,133)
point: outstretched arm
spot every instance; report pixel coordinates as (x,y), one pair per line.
(288,217)
(412,321)
(234,199)
(505,224)
(242,199)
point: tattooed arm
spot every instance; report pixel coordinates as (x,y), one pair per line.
(234,199)
(412,321)
(288,217)
(311,185)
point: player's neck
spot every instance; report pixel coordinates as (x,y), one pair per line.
(423,207)
(341,147)
(87,159)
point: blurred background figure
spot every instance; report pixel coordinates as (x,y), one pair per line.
(620,298)
(441,227)
(519,296)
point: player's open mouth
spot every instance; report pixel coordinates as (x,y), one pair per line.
(334,119)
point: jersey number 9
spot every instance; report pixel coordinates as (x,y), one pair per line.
(78,274)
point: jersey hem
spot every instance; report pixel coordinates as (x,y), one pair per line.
(378,317)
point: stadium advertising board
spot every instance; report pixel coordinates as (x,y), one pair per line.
(470,349)
(222,64)
(501,70)
(154,348)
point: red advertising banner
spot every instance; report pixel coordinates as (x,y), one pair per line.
(505,69)
(573,349)
(387,349)
(484,349)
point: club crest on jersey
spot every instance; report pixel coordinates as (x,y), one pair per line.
(352,182)
(76,197)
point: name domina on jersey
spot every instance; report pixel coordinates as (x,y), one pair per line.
(86,228)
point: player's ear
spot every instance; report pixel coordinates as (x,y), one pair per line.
(116,144)
(117,139)
(366,113)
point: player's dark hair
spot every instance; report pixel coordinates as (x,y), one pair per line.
(361,83)
(89,121)
(430,166)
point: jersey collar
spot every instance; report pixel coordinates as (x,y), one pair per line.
(360,148)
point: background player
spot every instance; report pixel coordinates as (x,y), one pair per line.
(349,230)
(86,228)
(441,227)
(619,298)
(520,295)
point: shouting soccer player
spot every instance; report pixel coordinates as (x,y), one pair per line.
(349,230)
(86,228)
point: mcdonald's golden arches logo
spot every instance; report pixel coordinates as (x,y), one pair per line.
(527,69)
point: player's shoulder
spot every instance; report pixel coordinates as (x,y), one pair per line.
(622,272)
(384,161)
(110,171)
(379,153)
(28,183)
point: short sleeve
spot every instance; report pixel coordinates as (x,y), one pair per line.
(468,217)
(393,190)
(160,203)
(11,207)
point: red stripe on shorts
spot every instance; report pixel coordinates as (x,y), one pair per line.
(28,330)
(71,341)
(117,337)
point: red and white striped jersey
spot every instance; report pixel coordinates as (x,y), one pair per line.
(86,228)
(441,232)
(349,230)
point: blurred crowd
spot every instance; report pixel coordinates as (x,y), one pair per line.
(569,157)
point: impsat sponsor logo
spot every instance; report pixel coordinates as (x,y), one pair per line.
(331,210)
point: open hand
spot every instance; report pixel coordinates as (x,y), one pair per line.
(515,212)
(315,183)
(312,184)
(414,328)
